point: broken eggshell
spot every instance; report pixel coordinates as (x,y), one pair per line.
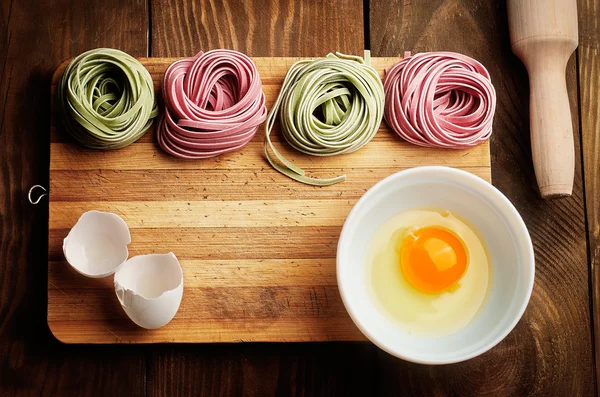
(150,288)
(97,245)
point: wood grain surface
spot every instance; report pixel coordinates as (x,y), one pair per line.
(589,92)
(554,334)
(35,37)
(548,354)
(258,258)
(258,28)
(290,369)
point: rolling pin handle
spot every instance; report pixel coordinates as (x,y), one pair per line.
(551,128)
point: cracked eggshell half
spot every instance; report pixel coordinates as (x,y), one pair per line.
(97,245)
(150,288)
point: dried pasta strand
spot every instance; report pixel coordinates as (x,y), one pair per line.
(440,99)
(214,104)
(326,106)
(106,99)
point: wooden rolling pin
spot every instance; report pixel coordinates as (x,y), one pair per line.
(543,34)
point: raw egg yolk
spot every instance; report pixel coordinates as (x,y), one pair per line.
(433,259)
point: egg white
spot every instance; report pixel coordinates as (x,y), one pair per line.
(418,313)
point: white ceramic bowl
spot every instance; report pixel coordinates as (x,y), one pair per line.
(493,218)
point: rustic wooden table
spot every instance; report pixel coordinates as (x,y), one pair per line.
(551,351)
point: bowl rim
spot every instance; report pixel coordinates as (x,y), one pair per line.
(487,190)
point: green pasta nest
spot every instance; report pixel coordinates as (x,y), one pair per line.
(106,99)
(326,106)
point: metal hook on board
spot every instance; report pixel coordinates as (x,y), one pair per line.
(39,197)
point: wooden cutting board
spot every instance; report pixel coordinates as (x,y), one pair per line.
(257,249)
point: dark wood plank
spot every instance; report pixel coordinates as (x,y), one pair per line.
(274,369)
(554,333)
(259,28)
(35,36)
(589,75)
